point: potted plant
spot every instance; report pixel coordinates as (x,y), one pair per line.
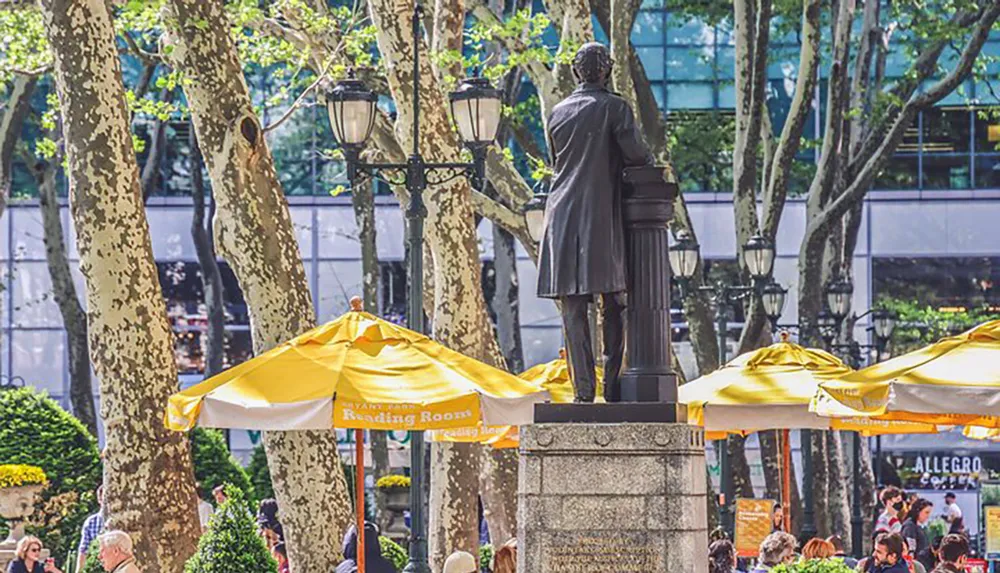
(394,491)
(18,486)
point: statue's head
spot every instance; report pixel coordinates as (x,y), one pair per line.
(592,64)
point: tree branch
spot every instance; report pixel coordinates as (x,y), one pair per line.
(11,121)
(856,191)
(790,140)
(507,218)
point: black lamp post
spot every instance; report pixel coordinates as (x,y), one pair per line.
(758,256)
(476,107)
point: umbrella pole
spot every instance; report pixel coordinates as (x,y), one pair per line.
(359,493)
(786,478)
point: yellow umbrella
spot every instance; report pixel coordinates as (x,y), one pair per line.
(358,371)
(955,381)
(771,388)
(552,376)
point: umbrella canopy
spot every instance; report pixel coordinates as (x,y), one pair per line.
(955,381)
(551,376)
(358,371)
(770,388)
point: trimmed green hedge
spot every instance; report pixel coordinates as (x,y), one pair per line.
(214,465)
(393,552)
(231,544)
(35,430)
(260,474)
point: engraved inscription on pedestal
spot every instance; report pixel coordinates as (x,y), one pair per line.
(585,553)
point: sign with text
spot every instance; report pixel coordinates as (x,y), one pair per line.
(991,513)
(948,471)
(753,524)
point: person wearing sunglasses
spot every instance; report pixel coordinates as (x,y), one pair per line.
(29,558)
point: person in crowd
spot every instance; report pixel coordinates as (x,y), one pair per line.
(219,494)
(913,532)
(957,526)
(840,553)
(28,558)
(817,548)
(777,548)
(374,561)
(280,555)
(505,559)
(953,554)
(717,534)
(888,555)
(952,512)
(268,524)
(892,507)
(777,518)
(205,509)
(868,564)
(116,553)
(722,557)
(914,565)
(460,562)
(92,527)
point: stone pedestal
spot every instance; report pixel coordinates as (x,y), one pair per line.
(625,497)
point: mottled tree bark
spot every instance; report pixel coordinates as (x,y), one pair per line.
(148,481)
(211,278)
(820,481)
(12,118)
(253,231)
(81,391)
(363,202)
(839,469)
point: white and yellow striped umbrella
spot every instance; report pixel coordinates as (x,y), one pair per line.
(955,381)
(358,371)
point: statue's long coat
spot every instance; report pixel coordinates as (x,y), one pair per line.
(592,136)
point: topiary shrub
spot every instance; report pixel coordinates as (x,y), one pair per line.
(231,544)
(93,564)
(814,566)
(486,557)
(393,552)
(260,474)
(214,465)
(35,431)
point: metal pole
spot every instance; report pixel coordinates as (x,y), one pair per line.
(415,213)
(722,446)
(878,439)
(857,535)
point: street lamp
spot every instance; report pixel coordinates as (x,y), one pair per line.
(758,256)
(476,107)
(773,298)
(534,214)
(683,257)
(838,299)
(883,322)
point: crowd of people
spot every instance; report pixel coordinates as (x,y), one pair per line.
(900,542)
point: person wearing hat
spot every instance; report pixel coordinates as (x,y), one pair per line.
(592,136)
(460,562)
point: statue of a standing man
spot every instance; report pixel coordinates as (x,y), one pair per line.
(592,137)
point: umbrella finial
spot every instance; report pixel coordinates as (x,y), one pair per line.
(356,304)
(784,335)
(562,353)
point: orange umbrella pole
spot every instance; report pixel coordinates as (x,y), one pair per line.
(786,478)
(359,494)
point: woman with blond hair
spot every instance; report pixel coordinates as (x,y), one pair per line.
(505,559)
(818,549)
(28,558)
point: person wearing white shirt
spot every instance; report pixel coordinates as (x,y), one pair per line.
(951,510)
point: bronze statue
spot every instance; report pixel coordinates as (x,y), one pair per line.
(592,137)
